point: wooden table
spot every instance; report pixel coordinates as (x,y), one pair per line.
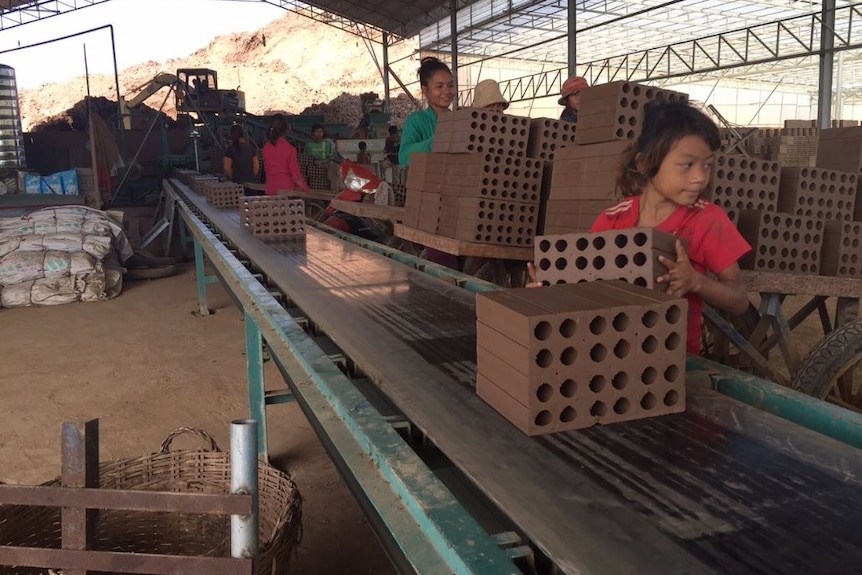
(461,247)
(369,210)
(326,195)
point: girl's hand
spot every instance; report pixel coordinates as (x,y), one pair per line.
(531,274)
(681,277)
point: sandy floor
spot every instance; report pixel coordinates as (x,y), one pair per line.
(145,364)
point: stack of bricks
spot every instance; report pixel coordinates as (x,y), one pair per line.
(199,182)
(842,250)
(781,242)
(841,149)
(572,356)
(223,195)
(476,130)
(582,185)
(477,185)
(817,193)
(741,183)
(315,172)
(273,216)
(185,175)
(481,198)
(631,255)
(615,111)
(583,178)
(546,135)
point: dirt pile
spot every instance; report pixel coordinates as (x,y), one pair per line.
(273,66)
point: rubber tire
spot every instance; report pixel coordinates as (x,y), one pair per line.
(828,359)
(151,273)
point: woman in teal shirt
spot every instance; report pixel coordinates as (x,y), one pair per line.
(438,88)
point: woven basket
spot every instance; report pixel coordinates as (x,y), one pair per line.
(198,471)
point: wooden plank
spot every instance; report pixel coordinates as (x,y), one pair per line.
(126,499)
(369,210)
(313,195)
(798,284)
(114,562)
(461,247)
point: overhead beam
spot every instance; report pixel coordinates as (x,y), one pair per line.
(25,13)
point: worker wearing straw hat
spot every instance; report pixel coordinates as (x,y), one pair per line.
(570,97)
(487,95)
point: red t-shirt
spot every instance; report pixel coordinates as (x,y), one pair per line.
(281,165)
(714,244)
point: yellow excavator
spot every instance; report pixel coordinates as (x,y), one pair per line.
(196,91)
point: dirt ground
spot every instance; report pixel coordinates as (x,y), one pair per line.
(145,364)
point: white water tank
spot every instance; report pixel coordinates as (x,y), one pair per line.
(11,131)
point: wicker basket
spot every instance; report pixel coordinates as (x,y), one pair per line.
(200,471)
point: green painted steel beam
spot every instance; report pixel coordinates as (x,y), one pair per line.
(430,527)
(805,410)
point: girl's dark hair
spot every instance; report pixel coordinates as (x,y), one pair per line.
(316,127)
(430,66)
(665,123)
(277,128)
(236,133)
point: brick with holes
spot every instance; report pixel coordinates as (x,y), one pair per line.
(575,355)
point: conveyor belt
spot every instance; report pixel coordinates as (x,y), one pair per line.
(684,493)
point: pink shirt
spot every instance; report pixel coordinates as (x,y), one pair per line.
(281,166)
(714,244)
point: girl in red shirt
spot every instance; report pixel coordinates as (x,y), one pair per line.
(661,176)
(280,162)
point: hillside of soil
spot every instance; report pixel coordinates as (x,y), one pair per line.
(273,66)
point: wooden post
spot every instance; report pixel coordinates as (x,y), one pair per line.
(80,468)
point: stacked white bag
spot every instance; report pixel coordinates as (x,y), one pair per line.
(60,255)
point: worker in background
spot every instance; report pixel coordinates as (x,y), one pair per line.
(318,148)
(240,160)
(363,156)
(570,97)
(438,89)
(393,142)
(487,95)
(280,161)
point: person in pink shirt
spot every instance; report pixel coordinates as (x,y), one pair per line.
(280,162)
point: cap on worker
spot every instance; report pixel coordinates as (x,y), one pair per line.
(572,86)
(487,92)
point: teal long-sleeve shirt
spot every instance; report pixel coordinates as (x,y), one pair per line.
(418,134)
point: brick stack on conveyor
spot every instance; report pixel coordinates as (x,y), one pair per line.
(273,217)
(477,185)
(222,195)
(583,176)
(576,355)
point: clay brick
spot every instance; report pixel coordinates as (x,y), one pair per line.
(781,242)
(739,182)
(571,356)
(586,172)
(477,130)
(429,213)
(817,193)
(840,149)
(488,221)
(630,255)
(199,182)
(273,216)
(615,111)
(547,135)
(223,195)
(842,250)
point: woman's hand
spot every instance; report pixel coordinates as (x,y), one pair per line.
(681,278)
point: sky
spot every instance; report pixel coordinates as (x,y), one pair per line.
(143,30)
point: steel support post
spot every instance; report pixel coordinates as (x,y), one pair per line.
(827,56)
(200,275)
(572,39)
(386,72)
(79,453)
(453,25)
(244,481)
(256,391)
